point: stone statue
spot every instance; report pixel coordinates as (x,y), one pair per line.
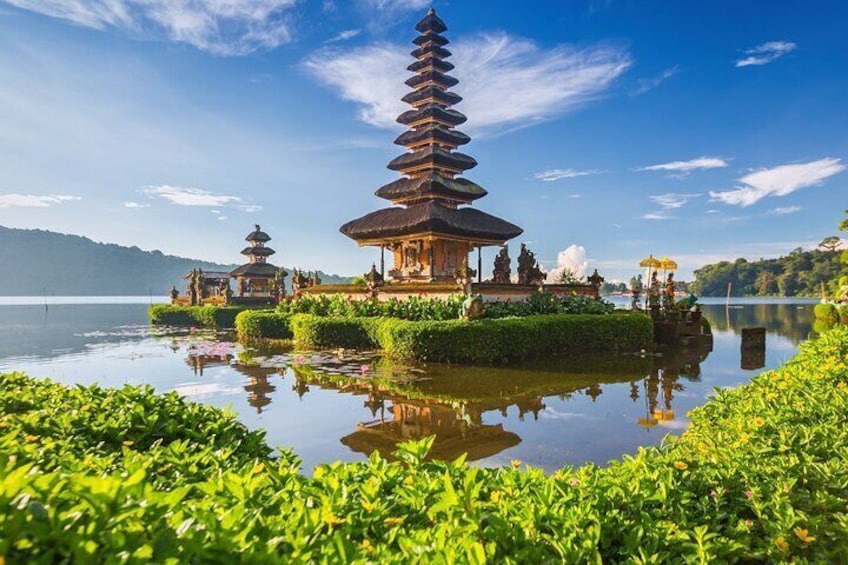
(635,292)
(374,277)
(174,294)
(299,281)
(528,268)
(472,308)
(278,283)
(503,270)
(193,284)
(199,289)
(595,279)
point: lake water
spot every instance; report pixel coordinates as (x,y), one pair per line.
(342,405)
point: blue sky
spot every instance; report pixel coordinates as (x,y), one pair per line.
(606,129)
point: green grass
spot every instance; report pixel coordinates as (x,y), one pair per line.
(92,475)
(202,316)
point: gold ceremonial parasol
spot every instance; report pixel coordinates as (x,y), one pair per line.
(650,262)
(667,264)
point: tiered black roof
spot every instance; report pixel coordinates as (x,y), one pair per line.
(258,251)
(258,235)
(430,192)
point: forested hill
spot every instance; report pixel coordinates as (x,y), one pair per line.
(36,261)
(800,273)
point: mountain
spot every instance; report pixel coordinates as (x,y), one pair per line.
(36,261)
(801,273)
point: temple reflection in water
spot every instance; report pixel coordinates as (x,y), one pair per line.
(408,403)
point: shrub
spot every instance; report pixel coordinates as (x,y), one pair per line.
(327,332)
(208,316)
(826,311)
(263,324)
(479,341)
(759,477)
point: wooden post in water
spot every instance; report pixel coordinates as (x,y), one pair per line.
(729,287)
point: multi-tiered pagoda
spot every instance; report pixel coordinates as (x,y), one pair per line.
(430,233)
(255,278)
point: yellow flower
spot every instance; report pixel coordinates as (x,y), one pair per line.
(804,535)
(781,544)
(332,519)
(680,465)
(496,496)
(759,422)
(258,468)
(393,521)
(127,443)
(515,463)
(366,545)
(408,480)
(31,438)
(319,472)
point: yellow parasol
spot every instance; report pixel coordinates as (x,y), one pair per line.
(650,262)
(667,264)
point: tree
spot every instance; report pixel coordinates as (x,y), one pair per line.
(567,276)
(831,243)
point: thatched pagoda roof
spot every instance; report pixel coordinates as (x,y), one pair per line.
(254,270)
(436,77)
(258,251)
(430,217)
(407,189)
(432,133)
(430,50)
(430,64)
(432,112)
(431,23)
(432,38)
(433,94)
(258,235)
(435,157)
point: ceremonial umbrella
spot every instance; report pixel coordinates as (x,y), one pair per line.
(667,264)
(650,262)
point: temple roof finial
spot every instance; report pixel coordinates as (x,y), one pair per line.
(431,11)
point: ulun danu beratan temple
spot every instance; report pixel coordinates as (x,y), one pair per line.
(431,229)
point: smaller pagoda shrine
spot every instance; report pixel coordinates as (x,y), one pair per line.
(257,279)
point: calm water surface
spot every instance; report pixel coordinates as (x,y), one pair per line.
(341,406)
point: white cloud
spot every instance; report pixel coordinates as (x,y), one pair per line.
(646,84)
(182,196)
(249,207)
(345,35)
(687,166)
(783,211)
(557,174)
(135,205)
(766,53)
(573,258)
(505,81)
(15,200)
(223,27)
(672,200)
(779,181)
(393,6)
(659,215)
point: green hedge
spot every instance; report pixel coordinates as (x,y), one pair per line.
(207,316)
(263,324)
(479,341)
(89,475)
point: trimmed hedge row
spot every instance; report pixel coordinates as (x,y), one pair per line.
(832,313)
(760,476)
(263,324)
(207,316)
(459,341)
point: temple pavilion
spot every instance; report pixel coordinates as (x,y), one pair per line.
(431,229)
(255,279)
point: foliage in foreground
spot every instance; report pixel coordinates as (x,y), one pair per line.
(761,476)
(423,308)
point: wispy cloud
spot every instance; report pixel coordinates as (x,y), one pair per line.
(223,27)
(557,174)
(186,196)
(345,35)
(673,200)
(660,215)
(646,84)
(685,167)
(396,6)
(16,200)
(505,81)
(132,204)
(783,211)
(779,181)
(766,53)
